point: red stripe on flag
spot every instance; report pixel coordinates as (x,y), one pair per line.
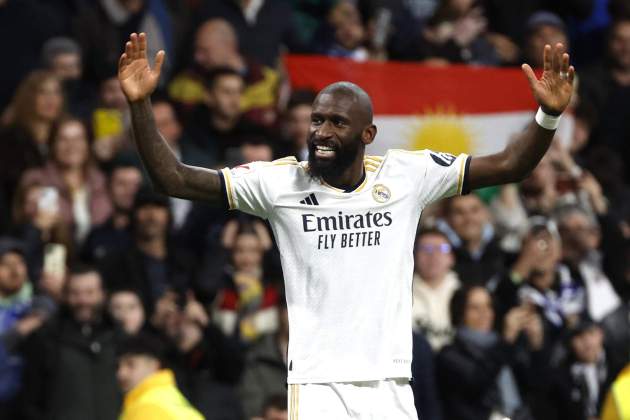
(409,88)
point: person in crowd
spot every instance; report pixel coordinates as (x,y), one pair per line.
(262,27)
(125,308)
(71,361)
(344,34)
(433,285)
(581,240)
(100,30)
(616,404)
(606,86)
(478,257)
(275,408)
(149,386)
(246,304)
(217,46)
(208,365)
(150,265)
(81,190)
(481,373)
(296,123)
(219,128)
(579,384)
(456,33)
(543,28)
(125,179)
(424,383)
(21,313)
(266,367)
(63,57)
(616,328)
(25,130)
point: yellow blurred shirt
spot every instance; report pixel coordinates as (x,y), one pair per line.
(617,404)
(157,398)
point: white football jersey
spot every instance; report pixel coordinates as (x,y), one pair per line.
(347,257)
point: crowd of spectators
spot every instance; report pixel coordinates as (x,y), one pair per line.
(521,293)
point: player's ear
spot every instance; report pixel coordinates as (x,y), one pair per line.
(368,134)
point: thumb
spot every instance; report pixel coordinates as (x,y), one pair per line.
(529,73)
(159,60)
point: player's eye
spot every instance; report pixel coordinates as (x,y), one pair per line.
(316,120)
(339,123)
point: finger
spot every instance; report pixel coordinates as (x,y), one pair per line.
(134,45)
(571,74)
(122,62)
(565,63)
(529,73)
(142,45)
(159,60)
(547,58)
(556,60)
(129,50)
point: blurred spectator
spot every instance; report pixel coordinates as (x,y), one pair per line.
(478,258)
(265,372)
(103,28)
(579,385)
(543,28)
(434,283)
(344,34)
(262,26)
(245,306)
(477,374)
(296,124)
(457,33)
(424,380)
(616,328)
(580,242)
(220,128)
(63,57)
(20,314)
(275,408)
(15,16)
(216,46)
(125,180)
(616,404)
(82,197)
(208,365)
(607,87)
(125,308)
(151,265)
(26,128)
(71,361)
(150,388)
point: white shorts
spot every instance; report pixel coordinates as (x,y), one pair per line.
(390,399)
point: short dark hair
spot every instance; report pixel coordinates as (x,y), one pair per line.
(457,306)
(80,268)
(301,97)
(142,344)
(431,231)
(276,401)
(216,73)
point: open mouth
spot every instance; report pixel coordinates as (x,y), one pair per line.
(324,152)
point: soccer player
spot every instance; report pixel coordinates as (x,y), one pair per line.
(345,225)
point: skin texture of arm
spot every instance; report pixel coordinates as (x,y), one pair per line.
(553,93)
(169,176)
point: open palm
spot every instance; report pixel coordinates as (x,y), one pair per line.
(553,90)
(137,79)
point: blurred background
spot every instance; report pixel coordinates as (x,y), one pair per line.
(521,292)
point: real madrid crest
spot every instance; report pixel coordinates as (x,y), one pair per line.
(381,193)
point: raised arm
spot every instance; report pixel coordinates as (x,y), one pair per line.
(168,175)
(552,92)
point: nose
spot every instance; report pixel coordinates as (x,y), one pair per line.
(324,131)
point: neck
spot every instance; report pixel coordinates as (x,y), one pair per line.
(473,245)
(73,177)
(40,130)
(350,177)
(434,282)
(223,123)
(120,219)
(154,247)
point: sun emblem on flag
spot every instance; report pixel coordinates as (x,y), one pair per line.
(443,130)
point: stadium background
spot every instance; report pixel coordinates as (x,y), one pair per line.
(552,253)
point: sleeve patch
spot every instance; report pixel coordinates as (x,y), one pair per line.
(442,159)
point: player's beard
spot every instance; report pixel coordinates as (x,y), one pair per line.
(333,168)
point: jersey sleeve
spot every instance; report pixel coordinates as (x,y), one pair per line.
(245,189)
(445,175)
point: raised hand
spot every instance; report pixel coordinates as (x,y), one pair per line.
(553,90)
(137,79)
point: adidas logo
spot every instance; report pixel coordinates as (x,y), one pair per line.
(310,200)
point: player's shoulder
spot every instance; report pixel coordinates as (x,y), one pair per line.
(285,164)
(421,157)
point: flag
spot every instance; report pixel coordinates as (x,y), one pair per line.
(455,109)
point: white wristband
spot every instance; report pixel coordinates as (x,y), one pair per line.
(547,121)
